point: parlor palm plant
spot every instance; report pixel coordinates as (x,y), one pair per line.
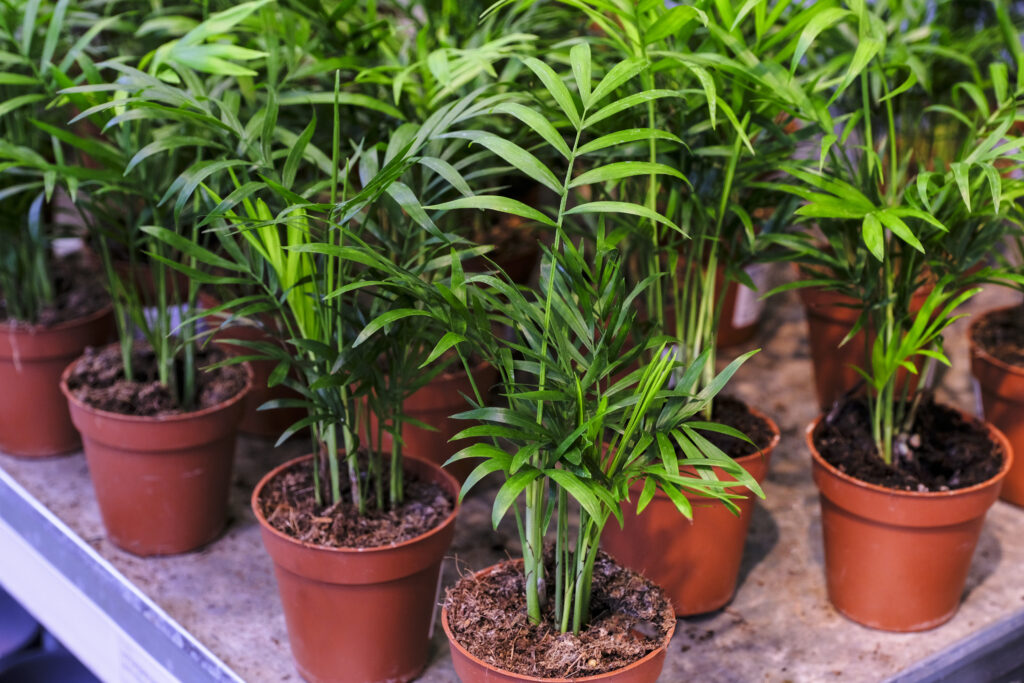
(51,307)
(311,252)
(898,472)
(157,120)
(583,421)
(896,224)
(719,86)
(325,268)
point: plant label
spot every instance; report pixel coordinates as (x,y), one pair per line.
(748,304)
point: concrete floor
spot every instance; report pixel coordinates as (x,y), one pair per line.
(779,627)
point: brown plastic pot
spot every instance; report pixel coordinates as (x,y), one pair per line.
(471,669)
(1001,386)
(266,424)
(359,615)
(434,404)
(898,560)
(34,419)
(830,317)
(696,563)
(162,482)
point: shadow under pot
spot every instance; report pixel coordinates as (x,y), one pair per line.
(898,560)
(471,669)
(697,563)
(359,615)
(34,418)
(162,482)
(1000,385)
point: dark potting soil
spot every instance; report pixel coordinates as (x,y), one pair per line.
(78,291)
(1001,333)
(288,504)
(944,451)
(630,617)
(98,380)
(734,413)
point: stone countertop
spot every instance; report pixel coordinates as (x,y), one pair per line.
(779,627)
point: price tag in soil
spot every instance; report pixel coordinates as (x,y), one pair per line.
(748,304)
(979,405)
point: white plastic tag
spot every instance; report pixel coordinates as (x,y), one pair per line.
(748,304)
(979,405)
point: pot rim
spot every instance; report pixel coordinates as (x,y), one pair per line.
(840,300)
(535,679)
(994,434)
(140,419)
(982,353)
(34,329)
(772,425)
(266,526)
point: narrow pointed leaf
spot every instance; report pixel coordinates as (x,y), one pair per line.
(495,203)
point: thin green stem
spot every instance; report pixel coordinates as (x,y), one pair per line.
(332,462)
(533,550)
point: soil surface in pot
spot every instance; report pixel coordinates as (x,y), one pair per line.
(1001,333)
(78,291)
(734,413)
(944,451)
(630,617)
(98,380)
(288,504)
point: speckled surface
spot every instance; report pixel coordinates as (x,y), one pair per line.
(779,627)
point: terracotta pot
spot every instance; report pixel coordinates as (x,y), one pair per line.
(434,404)
(696,563)
(359,615)
(1001,387)
(471,669)
(161,482)
(267,424)
(34,419)
(830,317)
(898,560)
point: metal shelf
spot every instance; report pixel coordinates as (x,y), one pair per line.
(112,627)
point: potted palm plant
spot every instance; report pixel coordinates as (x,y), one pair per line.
(381,518)
(361,524)
(158,428)
(924,136)
(905,482)
(731,144)
(584,423)
(51,307)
